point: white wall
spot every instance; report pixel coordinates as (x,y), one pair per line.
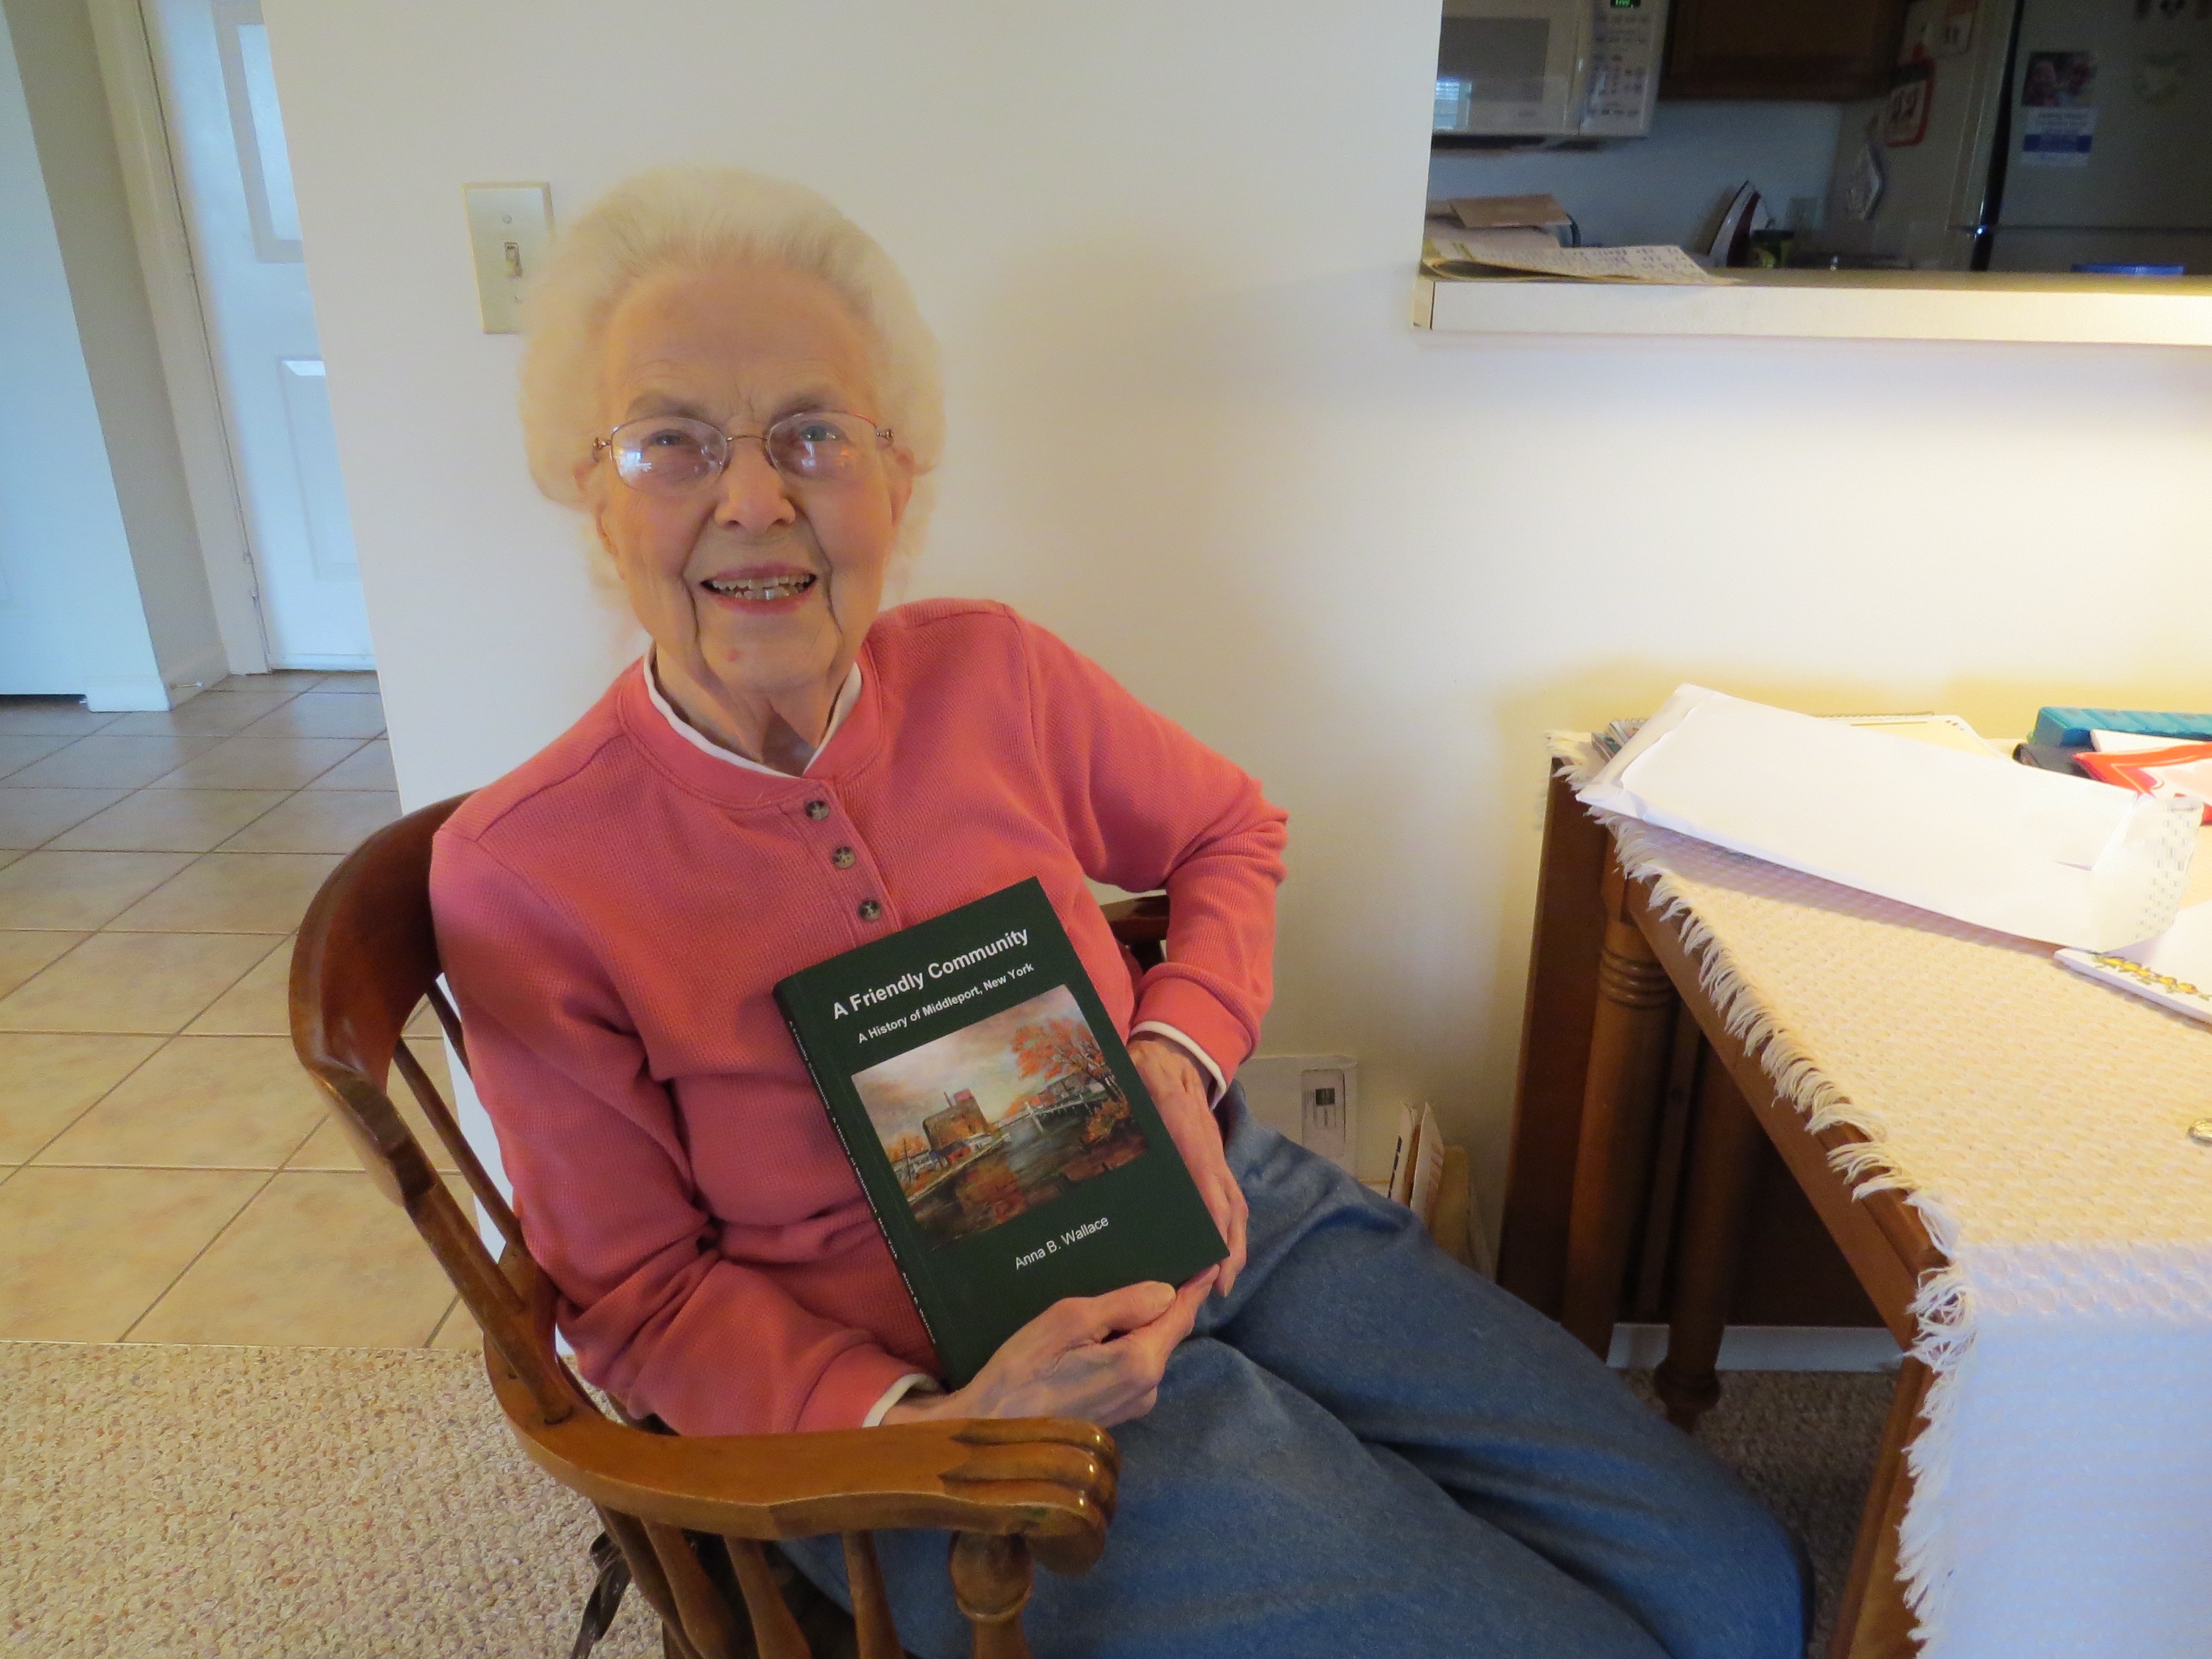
(71,620)
(1671,185)
(67,107)
(1168,248)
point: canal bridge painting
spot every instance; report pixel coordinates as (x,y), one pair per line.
(999,1116)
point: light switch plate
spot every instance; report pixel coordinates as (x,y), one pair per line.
(509,227)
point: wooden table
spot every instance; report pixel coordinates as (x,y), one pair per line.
(1637,1140)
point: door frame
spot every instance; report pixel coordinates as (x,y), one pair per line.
(180,326)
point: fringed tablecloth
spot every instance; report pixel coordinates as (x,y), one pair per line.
(2038,1121)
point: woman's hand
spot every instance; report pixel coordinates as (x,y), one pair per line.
(1178,1088)
(1095,1357)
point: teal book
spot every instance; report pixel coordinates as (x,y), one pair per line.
(1003,1137)
(2070,727)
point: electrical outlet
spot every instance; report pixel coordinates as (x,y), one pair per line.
(1323,1115)
(1314,1099)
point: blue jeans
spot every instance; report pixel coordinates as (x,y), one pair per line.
(1367,1448)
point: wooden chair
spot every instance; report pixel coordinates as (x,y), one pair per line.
(1010,1492)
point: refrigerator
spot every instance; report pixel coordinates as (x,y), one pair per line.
(2033,136)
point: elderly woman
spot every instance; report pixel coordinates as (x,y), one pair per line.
(1337,1441)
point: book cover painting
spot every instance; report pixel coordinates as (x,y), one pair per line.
(1003,1137)
(989,1121)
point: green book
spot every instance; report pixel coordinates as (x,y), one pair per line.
(1000,1131)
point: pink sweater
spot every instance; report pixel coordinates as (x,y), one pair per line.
(614,913)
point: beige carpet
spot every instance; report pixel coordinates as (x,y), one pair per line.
(299,1502)
(281,1502)
(1805,1443)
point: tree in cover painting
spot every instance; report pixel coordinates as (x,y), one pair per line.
(1054,1048)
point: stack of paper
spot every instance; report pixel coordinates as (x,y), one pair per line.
(2027,852)
(2174,971)
(1433,1180)
(1510,236)
(1478,252)
(1540,211)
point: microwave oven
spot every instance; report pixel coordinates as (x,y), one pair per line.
(1548,69)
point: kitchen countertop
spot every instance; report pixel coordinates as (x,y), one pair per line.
(1877,305)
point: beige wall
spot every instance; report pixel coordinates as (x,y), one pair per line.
(1167,247)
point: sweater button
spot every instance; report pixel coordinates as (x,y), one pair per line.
(870,910)
(817,810)
(842,858)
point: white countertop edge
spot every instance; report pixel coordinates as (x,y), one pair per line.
(1844,305)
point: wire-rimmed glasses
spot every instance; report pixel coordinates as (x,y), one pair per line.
(666,455)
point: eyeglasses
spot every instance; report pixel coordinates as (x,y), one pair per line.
(667,454)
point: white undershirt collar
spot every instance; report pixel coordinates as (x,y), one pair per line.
(848,695)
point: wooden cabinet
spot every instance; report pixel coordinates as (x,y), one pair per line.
(1809,49)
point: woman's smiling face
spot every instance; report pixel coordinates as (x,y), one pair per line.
(753,585)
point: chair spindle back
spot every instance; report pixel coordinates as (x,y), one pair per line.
(367,958)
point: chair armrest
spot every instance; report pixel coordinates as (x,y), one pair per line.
(1050,1480)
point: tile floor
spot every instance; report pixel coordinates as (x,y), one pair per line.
(167,1172)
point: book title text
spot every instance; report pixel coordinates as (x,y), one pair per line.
(911,982)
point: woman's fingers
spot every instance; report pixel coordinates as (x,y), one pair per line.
(1142,1351)
(1098,1358)
(1225,1203)
(1179,1092)
(1148,1348)
(1051,1367)
(1113,1382)
(1096,1318)
(1190,1296)
(1233,1235)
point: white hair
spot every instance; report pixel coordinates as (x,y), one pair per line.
(694,217)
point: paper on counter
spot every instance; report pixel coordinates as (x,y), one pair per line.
(2174,970)
(1495,212)
(1536,251)
(1945,731)
(2062,860)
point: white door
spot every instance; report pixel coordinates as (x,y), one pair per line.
(219,97)
(48,421)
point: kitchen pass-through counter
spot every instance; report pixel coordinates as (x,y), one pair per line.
(1848,304)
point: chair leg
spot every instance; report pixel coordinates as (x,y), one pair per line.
(991,1579)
